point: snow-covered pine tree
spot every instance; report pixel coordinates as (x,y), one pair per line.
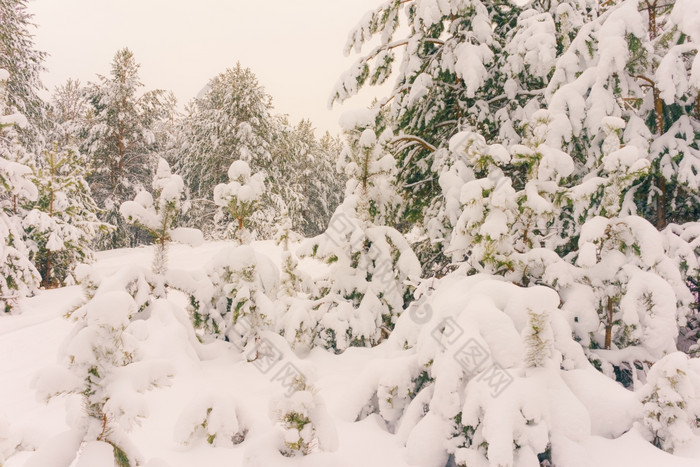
(96,355)
(303,178)
(121,142)
(107,362)
(69,112)
(294,414)
(636,60)
(604,116)
(507,205)
(218,418)
(370,263)
(62,223)
(297,319)
(305,422)
(665,61)
(682,244)
(292,280)
(326,190)
(229,120)
(636,290)
(158,217)
(24,64)
(18,276)
(671,399)
(482,377)
(466,66)
(233,298)
(239,199)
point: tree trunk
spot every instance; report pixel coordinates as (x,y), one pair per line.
(660,181)
(46,281)
(609,324)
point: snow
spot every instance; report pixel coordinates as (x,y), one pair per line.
(368,138)
(187,235)
(96,454)
(240,395)
(239,169)
(243,188)
(550,326)
(420,88)
(360,118)
(470,65)
(58,451)
(14,119)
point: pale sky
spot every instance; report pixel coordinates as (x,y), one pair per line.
(295,47)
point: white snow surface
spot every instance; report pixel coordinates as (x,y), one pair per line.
(216,376)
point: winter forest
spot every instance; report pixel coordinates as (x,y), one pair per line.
(494,264)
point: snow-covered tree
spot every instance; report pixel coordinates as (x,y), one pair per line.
(326,187)
(370,264)
(240,199)
(158,217)
(482,377)
(671,399)
(303,179)
(216,418)
(682,242)
(70,113)
(503,223)
(233,298)
(24,64)
(292,280)
(110,360)
(62,223)
(18,276)
(625,297)
(466,66)
(121,140)
(229,120)
(636,60)
(486,68)
(305,420)
(102,358)
(297,319)
(522,152)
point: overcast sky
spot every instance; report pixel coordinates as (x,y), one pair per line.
(293,46)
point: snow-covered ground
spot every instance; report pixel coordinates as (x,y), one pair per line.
(32,340)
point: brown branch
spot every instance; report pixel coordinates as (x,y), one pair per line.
(652,83)
(104,427)
(415,139)
(394,45)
